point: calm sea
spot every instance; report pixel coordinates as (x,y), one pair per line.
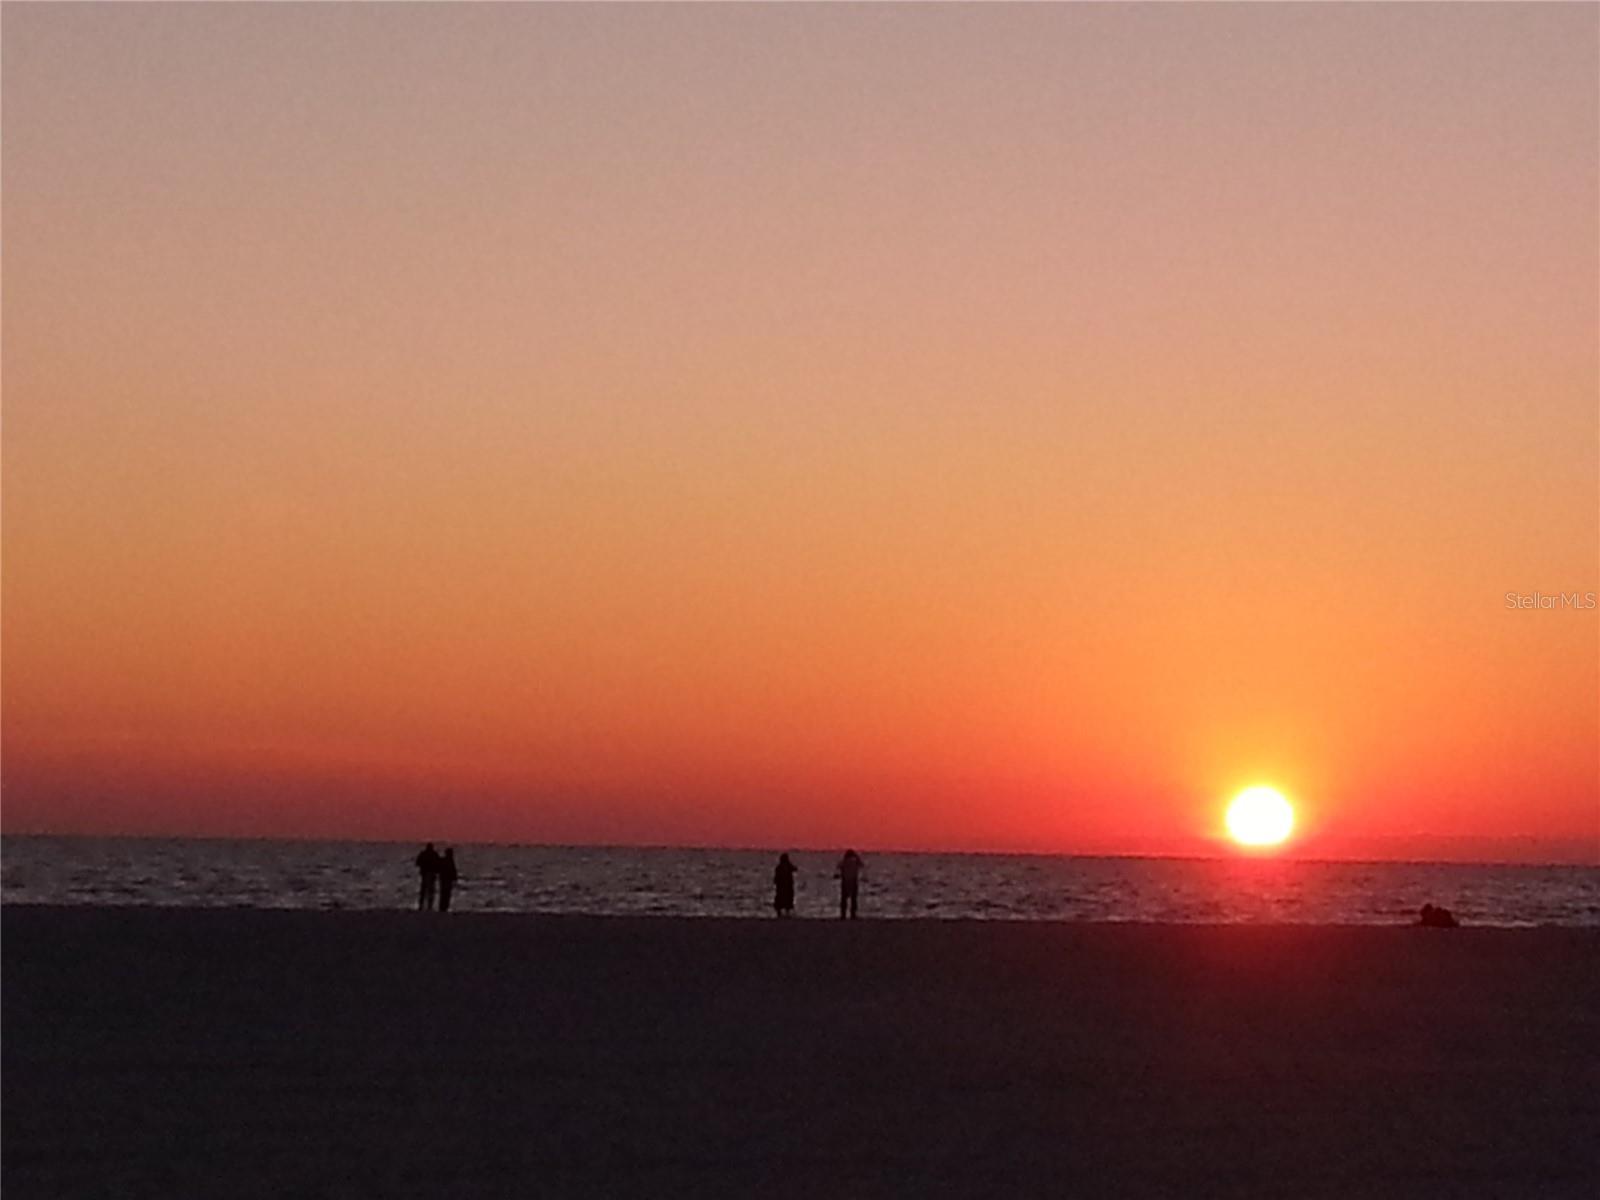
(737,883)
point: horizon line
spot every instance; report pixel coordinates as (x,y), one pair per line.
(1222,854)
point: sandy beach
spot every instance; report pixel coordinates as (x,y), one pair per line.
(238,1053)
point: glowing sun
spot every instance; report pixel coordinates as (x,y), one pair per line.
(1260,816)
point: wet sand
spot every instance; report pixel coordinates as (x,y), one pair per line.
(230,1053)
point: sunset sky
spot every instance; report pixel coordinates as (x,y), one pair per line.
(949,427)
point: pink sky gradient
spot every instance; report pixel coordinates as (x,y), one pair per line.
(931,426)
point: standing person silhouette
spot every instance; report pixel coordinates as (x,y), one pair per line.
(849,883)
(428,867)
(447,877)
(783,887)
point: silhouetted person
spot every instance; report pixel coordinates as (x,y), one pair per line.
(428,863)
(849,883)
(1435,917)
(783,887)
(447,877)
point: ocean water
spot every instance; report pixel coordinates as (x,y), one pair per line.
(737,883)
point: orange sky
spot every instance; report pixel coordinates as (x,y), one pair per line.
(914,426)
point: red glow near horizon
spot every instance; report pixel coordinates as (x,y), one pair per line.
(972,430)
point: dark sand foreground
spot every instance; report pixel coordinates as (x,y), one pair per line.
(238,1054)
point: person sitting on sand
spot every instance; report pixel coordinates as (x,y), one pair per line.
(783,887)
(428,865)
(447,877)
(849,883)
(1437,917)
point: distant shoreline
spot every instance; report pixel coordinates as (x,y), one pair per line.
(466,914)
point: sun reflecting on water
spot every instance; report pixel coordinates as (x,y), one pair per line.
(733,883)
(1260,816)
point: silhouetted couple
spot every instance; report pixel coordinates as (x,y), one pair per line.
(849,876)
(439,877)
(783,887)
